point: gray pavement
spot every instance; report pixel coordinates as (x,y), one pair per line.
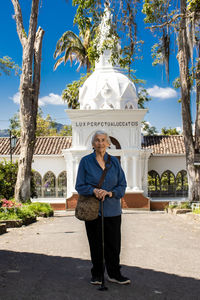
(49,260)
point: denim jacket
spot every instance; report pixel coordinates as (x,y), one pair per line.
(89,174)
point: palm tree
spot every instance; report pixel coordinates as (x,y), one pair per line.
(74,49)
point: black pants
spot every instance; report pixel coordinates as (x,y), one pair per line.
(112,244)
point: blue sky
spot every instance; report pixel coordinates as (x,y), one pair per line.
(164,109)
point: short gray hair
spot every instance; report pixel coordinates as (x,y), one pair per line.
(103,133)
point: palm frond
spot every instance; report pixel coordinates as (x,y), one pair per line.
(59,61)
(79,54)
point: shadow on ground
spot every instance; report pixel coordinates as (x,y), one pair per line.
(29,276)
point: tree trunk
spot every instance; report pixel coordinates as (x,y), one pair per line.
(196,188)
(29,92)
(183,59)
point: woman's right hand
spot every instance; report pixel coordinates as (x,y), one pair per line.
(101,194)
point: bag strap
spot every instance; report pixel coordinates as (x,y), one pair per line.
(104,172)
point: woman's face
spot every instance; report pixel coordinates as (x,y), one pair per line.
(100,143)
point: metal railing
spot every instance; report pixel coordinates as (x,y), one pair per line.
(51,192)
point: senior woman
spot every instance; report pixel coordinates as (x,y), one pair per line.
(113,188)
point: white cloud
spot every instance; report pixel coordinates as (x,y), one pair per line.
(15,98)
(51,99)
(162,93)
(179,129)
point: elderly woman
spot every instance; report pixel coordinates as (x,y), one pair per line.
(90,170)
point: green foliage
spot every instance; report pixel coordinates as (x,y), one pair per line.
(71,92)
(143,97)
(88,15)
(85,13)
(41,209)
(180,205)
(196,211)
(10,210)
(155,11)
(8,177)
(193,5)
(7,65)
(157,54)
(66,130)
(8,216)
(45,126)
(169,131)
(149,130)
(15,125)
(24,212)
(185,205)
(172,206)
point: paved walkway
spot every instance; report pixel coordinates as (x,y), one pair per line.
(49,260)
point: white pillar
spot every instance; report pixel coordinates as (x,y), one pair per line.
(69,169)
(125,168)
(134,173)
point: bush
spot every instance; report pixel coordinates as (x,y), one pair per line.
(24,213)
(8,177)
(180,205)
(8,216)
(10,210)
(41,209)
(186,205)
(196,211)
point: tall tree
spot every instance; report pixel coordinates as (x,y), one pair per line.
(45,126)
(29,92)
(184,20)
(169,131)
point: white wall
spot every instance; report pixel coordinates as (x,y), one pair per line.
(163,163)
(43,164)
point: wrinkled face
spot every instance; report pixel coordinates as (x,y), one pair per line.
(100,143)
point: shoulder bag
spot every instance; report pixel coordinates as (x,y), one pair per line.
(87,208)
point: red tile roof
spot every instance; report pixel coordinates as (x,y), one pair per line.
(164,144)
(52,145)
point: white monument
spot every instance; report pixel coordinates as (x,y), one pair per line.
(108,101)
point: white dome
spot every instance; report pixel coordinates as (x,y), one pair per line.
(107,88)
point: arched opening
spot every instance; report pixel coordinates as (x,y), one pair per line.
(115,145)
(153,184)
(168,184)
(38,183)
(49,184)
(129,105)
(62,184)
(181,183)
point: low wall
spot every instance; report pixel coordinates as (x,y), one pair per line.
(135,200)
